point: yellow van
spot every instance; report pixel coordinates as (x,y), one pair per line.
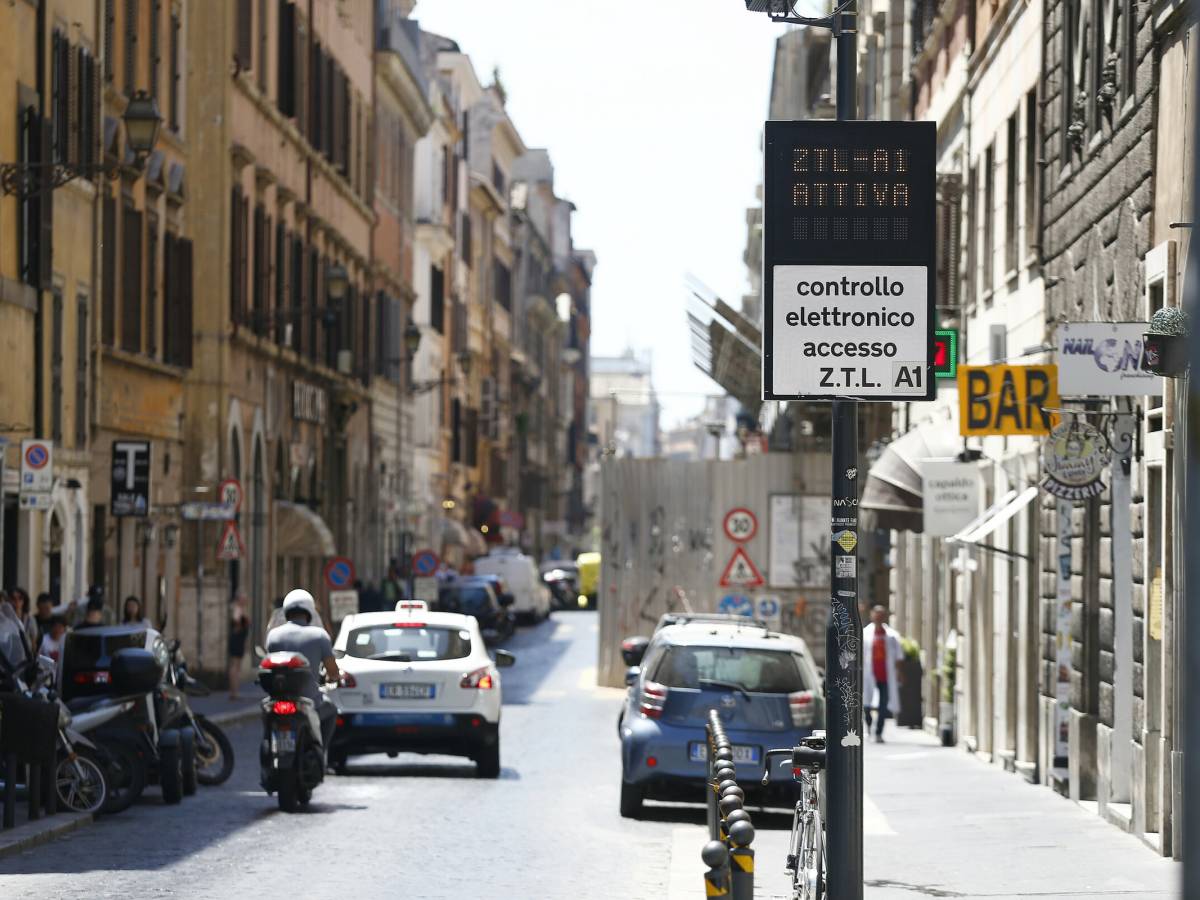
(589,576)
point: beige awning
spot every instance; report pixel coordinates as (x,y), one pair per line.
(299,531)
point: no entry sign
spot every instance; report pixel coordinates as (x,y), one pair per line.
(849,260)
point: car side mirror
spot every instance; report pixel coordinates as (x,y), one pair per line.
(504,659)
(633,649)
(632,674)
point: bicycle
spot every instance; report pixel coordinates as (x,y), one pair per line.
(806,848)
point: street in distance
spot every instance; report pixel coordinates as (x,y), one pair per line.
(861,328)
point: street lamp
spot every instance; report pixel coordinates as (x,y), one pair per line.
(412,339)
(464,361)
(142,122)
(337,282)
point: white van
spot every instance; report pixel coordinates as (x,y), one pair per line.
(531,597)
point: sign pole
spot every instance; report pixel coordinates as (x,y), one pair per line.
(843,665)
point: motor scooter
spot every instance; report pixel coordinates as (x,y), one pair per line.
(292,755)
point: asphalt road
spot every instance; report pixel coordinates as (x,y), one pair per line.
(409,827)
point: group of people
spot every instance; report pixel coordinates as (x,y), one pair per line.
(46,624)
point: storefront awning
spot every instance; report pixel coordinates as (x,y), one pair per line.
(893,490)
(996,517)
(299,531)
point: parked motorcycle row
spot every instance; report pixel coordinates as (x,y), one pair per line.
(124,721)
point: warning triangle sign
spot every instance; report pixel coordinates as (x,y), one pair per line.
(741,571)
(230,546)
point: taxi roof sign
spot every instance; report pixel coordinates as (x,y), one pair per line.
(412,606)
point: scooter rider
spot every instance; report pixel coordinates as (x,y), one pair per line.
(299,635)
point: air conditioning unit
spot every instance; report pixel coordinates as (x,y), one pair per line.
(345,364)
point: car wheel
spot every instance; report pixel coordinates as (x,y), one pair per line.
(487,763)
(631,800)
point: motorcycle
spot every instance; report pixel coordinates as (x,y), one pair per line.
(291,756)
(213,753)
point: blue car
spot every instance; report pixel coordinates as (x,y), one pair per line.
(765,685)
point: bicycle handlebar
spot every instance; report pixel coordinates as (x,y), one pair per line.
(766,779)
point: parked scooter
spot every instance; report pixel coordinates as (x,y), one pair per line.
(291,755)
(213,753)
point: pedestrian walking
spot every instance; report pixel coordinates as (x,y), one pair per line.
(881,671)
(45,614)
(239,631)
(133,614)
(54,638)
(18,599)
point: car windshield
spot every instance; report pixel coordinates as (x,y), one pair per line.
(408,643)
(758,671)
(468,600)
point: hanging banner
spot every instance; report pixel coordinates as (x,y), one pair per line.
(951,493)
(1074,458)
(1103,359)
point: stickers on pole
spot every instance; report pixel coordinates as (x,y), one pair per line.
(741,571)
(847,540)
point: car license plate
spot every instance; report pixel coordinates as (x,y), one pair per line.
(742,753)
(284,741)
(406,691)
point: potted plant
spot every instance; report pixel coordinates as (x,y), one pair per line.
(1165,342)
(949,670)
(910,685)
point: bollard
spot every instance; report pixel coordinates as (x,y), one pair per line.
(717,878)
(10,790)
(33,784)
(741,860)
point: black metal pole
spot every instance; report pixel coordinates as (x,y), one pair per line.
(843,661)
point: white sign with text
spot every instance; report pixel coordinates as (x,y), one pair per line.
(951,493)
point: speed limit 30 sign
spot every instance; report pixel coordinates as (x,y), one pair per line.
(849,260)
(740,525)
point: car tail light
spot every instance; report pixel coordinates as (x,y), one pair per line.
(339,722)
(295,661)
(803,707)
(480,678)
(654,696)
(283,708)
(346,680)
(651,761)
(102,676)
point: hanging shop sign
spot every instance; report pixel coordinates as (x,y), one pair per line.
(1006,400)
(130,482)
(849,258)
(1074,458)
(1103,359)
(950,496)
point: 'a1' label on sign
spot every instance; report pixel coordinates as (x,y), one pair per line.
(852,331)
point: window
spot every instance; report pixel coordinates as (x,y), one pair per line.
(465,244)
(1011,254)
(60,96)
(456,430)
(81,370)
(285,89)
(244,37)
(131,41)
(239,212)
(498,180)
(263,35)
(291,330)
(110,27)
(131,280)
(85,107)
(503,284)
(108,277)
(409,642)
(176,75)
(177,266)
(1032,176)
(756,671)
(279,273)
(56,366)
(258,310)
(151,286)
(989,217)
(155,55)
(437,300)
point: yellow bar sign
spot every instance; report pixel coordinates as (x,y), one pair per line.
(1007,399)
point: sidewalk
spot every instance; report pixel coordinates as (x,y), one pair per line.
(218,708)
(939,823)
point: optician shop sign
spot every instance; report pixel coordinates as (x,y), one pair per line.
(849,259)
(951,494)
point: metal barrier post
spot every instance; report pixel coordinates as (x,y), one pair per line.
(10,790)
(741,859)
(716,880)
(33,783)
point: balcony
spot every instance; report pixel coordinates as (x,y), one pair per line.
(396,34)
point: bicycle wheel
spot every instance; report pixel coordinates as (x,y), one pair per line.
(818,857)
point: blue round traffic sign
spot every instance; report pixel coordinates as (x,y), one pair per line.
(339,573)
(36,456)
(424,563)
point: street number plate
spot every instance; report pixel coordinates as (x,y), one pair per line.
(742,753)
(406,691)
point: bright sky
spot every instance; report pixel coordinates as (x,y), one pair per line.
(652,111)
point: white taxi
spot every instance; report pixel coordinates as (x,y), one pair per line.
(417,681)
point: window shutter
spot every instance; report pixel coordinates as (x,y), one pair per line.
(315,73)
(131,41)
(58,97)
(259,296)
(302,90)
(131,280)
(285,91)
(56,366)
(152,292)
(173,97)
(155,54)
(184,309)
(327,106)
(81,368)
(262,46)
(280,272)
(45,213)
(85,108)
(108,277)
(437,300)
(110,26)
(296,292)
(245,34)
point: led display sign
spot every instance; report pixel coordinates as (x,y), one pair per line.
(848,254)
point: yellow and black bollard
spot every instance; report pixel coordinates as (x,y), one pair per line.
(716,879)
(741,860)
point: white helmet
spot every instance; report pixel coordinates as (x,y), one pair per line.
(300,599)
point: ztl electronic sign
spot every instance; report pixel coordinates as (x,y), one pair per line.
(849,262)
